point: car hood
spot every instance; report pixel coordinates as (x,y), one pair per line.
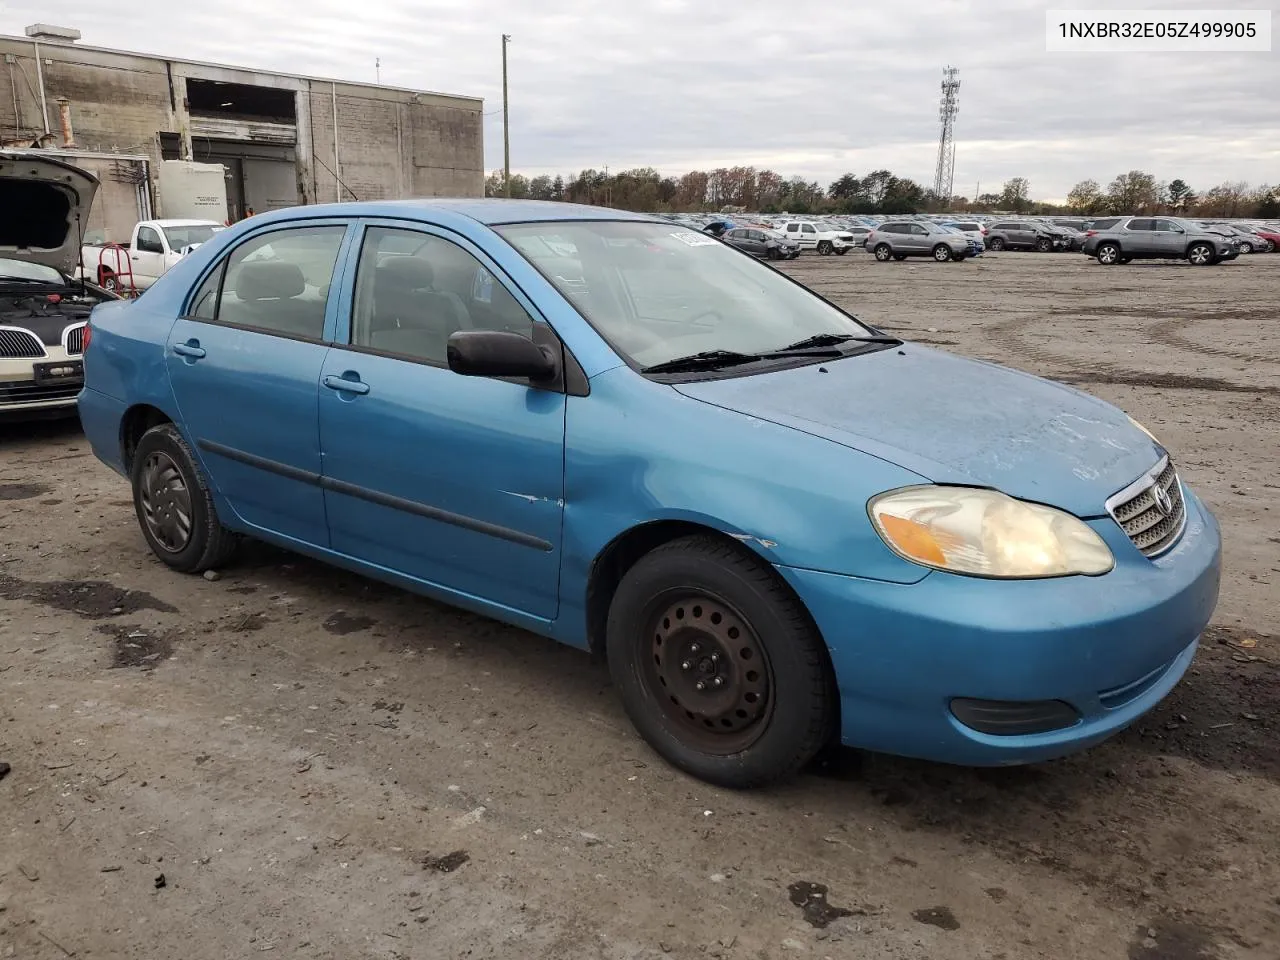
(954,420)
(46,205)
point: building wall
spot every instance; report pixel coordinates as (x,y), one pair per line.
(392,143)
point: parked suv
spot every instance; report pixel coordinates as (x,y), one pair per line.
(819,236)
(1159,238)
(760,242)
(1023,235)
(899,239)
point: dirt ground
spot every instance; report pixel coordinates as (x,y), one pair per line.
(291,760)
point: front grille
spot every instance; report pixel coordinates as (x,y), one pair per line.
(1152,511)
(18,344)
(74,338)
(31,392)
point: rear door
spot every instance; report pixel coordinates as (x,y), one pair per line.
(1140,238)
(808,235)
(244,364)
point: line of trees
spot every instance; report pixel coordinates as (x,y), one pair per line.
(881,191)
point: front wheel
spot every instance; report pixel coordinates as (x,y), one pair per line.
(942,253)
(824,247)
(883,252)
(719,666)
(773,253)
(174,504)
(1200,254)
(1044,244)
(1108,254)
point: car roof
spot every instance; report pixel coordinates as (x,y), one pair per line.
(489,211)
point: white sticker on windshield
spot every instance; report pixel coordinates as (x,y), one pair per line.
(695,239)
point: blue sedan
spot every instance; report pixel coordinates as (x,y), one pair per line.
(779,524)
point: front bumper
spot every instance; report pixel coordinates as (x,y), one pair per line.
(1111,647)
(23,393)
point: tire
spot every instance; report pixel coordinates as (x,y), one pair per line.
(997,244)
(824,247)
(1268,246)
(697,600)
(942,253)
(107,281)
(883,252)
(1200,255)
(1108,254)
(166,483)
(1044,244)
(1246,247)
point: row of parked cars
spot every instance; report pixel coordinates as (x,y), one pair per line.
(1112,240)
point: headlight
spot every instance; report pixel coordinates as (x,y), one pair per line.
(1146,431)
(984,533)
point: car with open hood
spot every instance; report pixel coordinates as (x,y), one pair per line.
(780,525)
(43,309)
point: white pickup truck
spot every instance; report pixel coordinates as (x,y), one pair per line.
(156,245)
(819,236)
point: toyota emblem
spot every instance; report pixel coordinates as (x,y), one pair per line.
(1164,503)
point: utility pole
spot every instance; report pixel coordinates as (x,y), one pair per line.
(506,122)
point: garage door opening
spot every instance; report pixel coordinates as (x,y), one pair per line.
(240,101)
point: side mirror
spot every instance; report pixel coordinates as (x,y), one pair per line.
(498,353)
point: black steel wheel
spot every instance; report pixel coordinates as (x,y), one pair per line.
(174,504)
(719,665)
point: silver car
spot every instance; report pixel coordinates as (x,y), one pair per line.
(1158,238)
(899,239)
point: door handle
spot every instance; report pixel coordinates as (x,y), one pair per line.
(345,385)
(191,349)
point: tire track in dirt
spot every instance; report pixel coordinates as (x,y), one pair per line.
(1167,332)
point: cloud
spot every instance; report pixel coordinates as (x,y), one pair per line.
(808,89)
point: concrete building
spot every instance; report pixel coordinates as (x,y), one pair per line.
(284,139)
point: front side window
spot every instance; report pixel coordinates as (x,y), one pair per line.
(279,282)
(149,241)
(189,235)
(809,228)
(657,292)
(415,290)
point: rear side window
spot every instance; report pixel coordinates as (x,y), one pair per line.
(1003,226)
(279,282)
(1106,223)
(1141,224)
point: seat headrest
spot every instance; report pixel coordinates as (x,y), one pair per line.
(411,272)
(270,280)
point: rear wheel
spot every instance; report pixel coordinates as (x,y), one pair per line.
(718,664)
(824,247)
(107,281)
(942,253)
(1200,254)
(883,252)
(1268,246)
(996,243)
(174,504)
(1108,254)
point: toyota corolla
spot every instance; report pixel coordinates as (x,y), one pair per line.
(781,525)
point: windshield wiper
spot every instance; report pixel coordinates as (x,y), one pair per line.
(714,359)
(830,339)
(37,280)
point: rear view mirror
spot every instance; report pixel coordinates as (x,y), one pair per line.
(498,353)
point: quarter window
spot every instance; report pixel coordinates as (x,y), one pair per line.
(415,290)
(279,282)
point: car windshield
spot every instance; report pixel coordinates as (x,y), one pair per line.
(32,272)
(658,292)
(185,236)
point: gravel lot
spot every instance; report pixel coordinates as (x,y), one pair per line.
(321,766)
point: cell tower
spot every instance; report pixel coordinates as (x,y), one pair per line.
(945,177)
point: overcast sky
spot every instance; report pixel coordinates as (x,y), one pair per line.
(803,88)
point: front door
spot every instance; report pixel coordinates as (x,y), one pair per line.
(455,481)
(244,362)
(1169,239)
(147,256)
